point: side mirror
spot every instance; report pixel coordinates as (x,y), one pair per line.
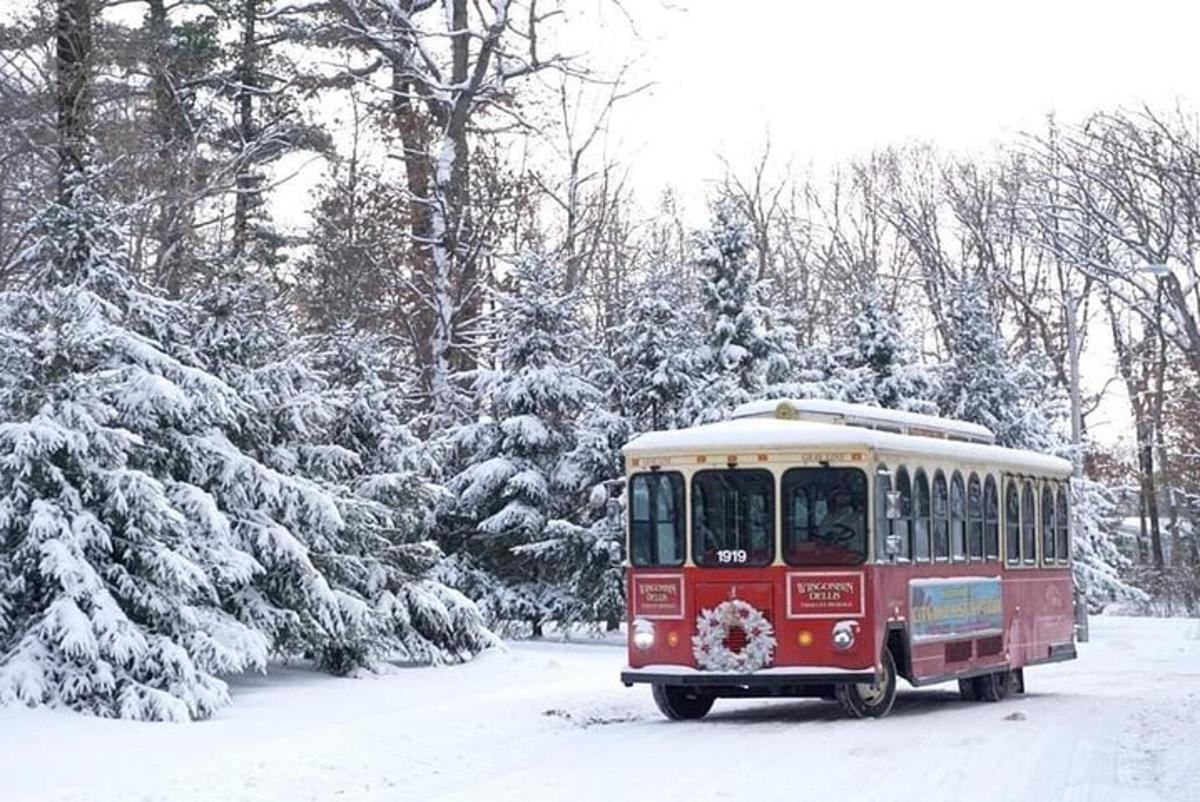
(892,505)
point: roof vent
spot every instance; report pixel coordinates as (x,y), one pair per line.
(866,417)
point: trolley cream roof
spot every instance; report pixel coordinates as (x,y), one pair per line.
(831,426)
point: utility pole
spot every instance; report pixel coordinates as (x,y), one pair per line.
(1076,401)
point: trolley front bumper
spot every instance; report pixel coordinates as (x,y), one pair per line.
(763,678)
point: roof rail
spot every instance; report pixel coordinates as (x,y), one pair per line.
(867,417)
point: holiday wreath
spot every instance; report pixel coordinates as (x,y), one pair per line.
(717,630)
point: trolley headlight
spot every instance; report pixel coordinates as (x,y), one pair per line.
(643,634)
(843,634)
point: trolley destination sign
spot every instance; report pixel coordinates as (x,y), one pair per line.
(658,596)
(821,595)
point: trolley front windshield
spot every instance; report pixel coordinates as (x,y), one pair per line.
(824,516)
(733,517)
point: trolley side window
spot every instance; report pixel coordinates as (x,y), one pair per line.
(656,519)
(1028,525)
(991,520)
(1049,524)
(941,519)
(824,516)
(921,517)
(1064,527)
(974,518)
(902,526)
(883,528)
(958,518)
(733,517)
(1012,522)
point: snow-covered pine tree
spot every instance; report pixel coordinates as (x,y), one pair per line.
(509,489)
(288,521)
(732,363)
(871,361)
(808,372)
(423,620)
(1098,565)
(982,384)
(115,559)
(370,382)
(343,537)
(160,529)
(654,348)
(585,549)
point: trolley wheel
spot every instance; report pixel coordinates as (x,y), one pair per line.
(870,700)
(680,704)
(992,687)
(966,689)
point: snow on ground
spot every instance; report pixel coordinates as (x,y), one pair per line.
(551,721)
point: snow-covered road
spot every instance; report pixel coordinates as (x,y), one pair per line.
(550,721)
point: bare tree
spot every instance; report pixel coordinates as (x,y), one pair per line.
(451,65)
(1142,361)
(27,130)
(760,200)
(1134,182)
(583,186)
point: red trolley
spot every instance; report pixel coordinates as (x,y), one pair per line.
(815,548)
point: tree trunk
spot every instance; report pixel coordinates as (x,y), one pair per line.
(246,196)
(1185,320)
(172,225)
(73,97)
(438,177)
(1139,544)
(413,129)
(1131,358)
(1149,490)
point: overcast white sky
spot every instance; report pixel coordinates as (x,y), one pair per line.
(836,78)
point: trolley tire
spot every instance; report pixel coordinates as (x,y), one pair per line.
(966,689)
(992,687)
(680,704)
(870,701)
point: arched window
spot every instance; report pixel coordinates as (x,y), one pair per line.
(1049,525)
(921,517)
(883,486)
(902,526)
(941,518)
(958,518)
(991,520)
(1028,524)
(974,518)
(1012,522)
(1064,527)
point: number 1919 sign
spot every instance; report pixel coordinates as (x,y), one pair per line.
(731,556)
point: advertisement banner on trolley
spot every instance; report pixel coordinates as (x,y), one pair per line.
(658,596)
(945,609)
